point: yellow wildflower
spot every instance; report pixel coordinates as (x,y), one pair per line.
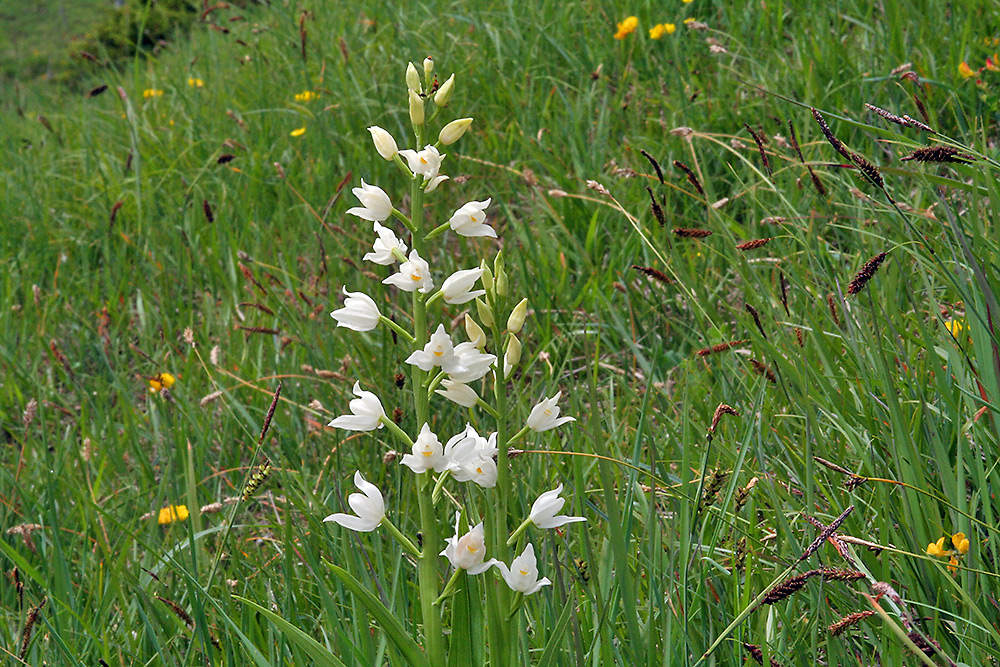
(937,548)
(965,70)
(627,27)
(306,95)
(953,565)
(152,92)
(161,381)
(662,29)
(195,83)
(298,132)
(961,543)
(173,513)
(689,20)
(688,1)
(993,64)
(954,326)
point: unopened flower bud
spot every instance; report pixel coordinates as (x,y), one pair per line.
(428,68)
(501,282)
(487,276)
(384,143)
(516,319)
(443,94)
(513,354)
(485,312)
(475,332)
(453,131)
(416,109)
(412,78)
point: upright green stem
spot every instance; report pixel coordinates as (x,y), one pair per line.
(427,570)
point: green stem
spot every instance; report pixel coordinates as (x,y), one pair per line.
(517,533)
(402,539)
(396,431)
(437,231)
(427,570)
(395,327)
(449,588)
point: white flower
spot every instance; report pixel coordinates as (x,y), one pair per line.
(427,453)
(545,415)
(470,220)
(368,505)
(470,457)
(413,274)
(367,412)
(426,163)
(543,512)
(375,203)
(434,182)
(359,312)
(384,143)
(457,287)
(453,131)
(439,351)
(459,392)
(523,573)
(468,551)
(384,245)
(476,364)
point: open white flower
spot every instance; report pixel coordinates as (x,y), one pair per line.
(476,364)
(368,505)
(458,392)
(467,552)
(426,163)
(413,274)
(544,513)
(375,203)
(384,244)
(522,576)
(359,313)
(439,351)
(457,287)
(428,454)
(470,220)
(367,413)
(384,143)
(545,415)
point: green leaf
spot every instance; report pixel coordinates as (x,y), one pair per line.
(558,633)
(390,624)
(321,656)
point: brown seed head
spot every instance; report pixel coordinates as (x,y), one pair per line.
(692,233)
(848,621)
(755,243)
(866,273)
(938,154)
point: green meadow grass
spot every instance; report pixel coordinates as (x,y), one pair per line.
(122,229)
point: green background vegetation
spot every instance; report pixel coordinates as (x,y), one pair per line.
(107,254)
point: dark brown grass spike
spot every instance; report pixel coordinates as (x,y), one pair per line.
(788,587)
(692,233)
(866,273)
(756,319)
(834,141)
(723,409)
(848,621)
(760,149)
(943,154)
(818,184)
(655,206)
(690,176)
(720,347)
(656,165)
(655,274)
(754,244)
(827,532)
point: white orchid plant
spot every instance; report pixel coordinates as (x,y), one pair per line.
(441,369)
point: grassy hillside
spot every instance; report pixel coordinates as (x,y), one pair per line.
(189,217)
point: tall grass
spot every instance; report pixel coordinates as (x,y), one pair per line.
(109,254)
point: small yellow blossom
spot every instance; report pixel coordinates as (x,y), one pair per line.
(298,132)
(306,95)
(662,29)
(937,548)
(152,92)
(965,70)
(993,64)
(161,381)
(953,565)
(954,326)
(627,27)
(961,543)
(173,513)
(688,20)
(196,83)
(688,1)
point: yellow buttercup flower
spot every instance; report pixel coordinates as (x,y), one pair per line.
(954,326)
(627,27)
(173,513)
(160,382)
(965,70)
(961,543)
(688,1)
(306,95)
(689,20)
(152,92)
(298,132)
(195,83)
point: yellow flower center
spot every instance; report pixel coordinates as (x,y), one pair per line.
(524,573)
(415,277)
